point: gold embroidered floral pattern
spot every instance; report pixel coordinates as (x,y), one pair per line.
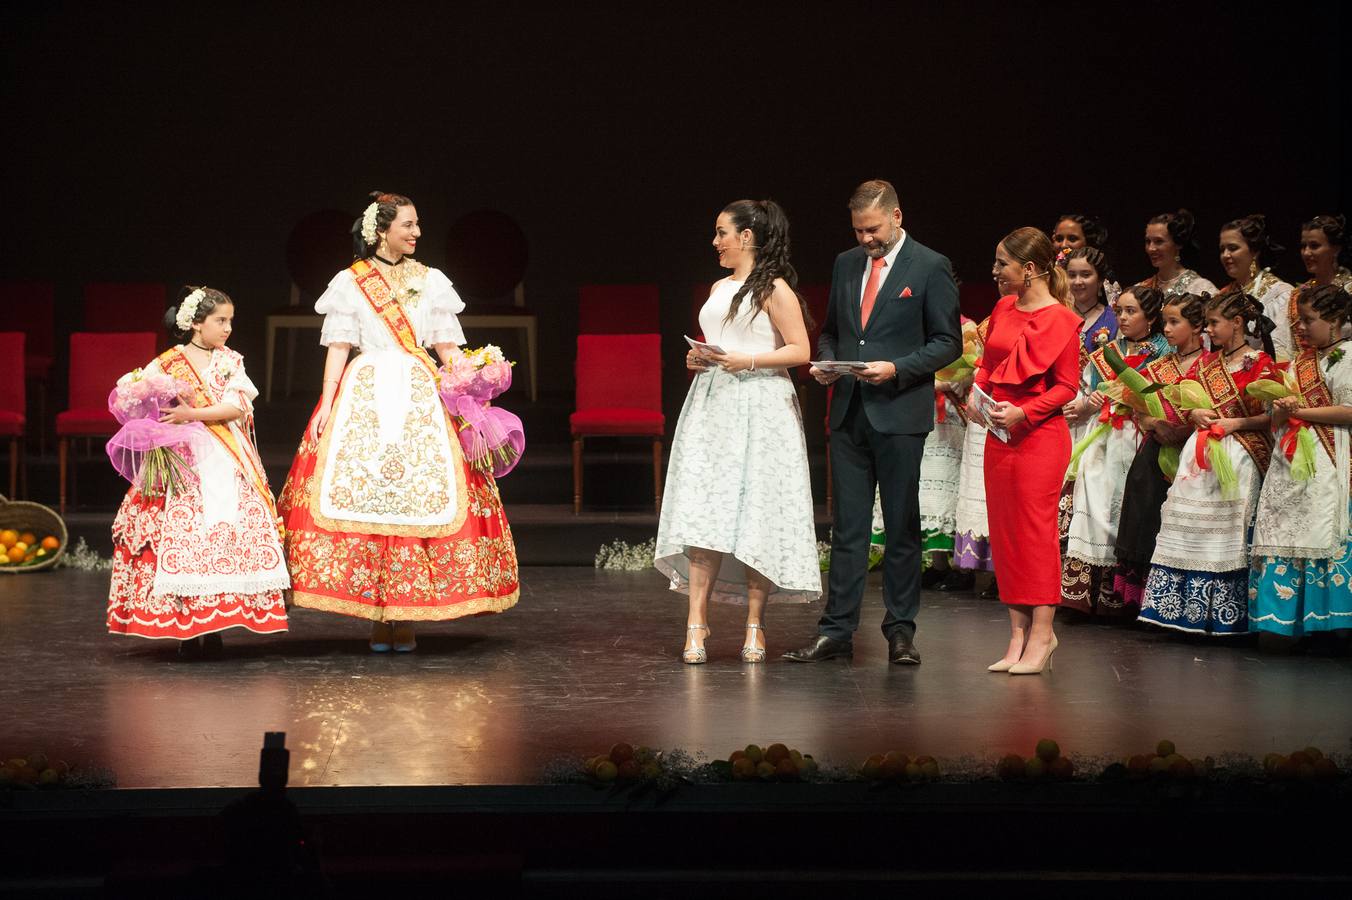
(361,575)
(409,478)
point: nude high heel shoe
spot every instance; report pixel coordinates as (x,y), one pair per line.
(1023,668)
(1000,666)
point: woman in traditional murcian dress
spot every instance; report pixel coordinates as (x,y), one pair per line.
(385,518)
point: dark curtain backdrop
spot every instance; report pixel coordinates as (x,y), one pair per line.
(181,143)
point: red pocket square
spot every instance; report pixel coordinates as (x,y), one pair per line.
(906,292)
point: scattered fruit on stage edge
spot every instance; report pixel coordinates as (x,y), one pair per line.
(32,771)
(897,766)
(1046,763)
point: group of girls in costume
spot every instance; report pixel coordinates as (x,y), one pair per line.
(381,518)
(1167,543)
(1216,515)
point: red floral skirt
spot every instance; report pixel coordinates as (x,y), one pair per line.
(132,610)
(402,576)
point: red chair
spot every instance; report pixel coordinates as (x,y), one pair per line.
(30,307)
(12,407)
(96,362)
(619,392)
(618,309)
(126,307)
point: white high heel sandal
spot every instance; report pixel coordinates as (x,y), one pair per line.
(750,652)
(697,655)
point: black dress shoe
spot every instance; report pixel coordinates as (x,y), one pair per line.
(901,650)
(822,648)
(992,592)
(956,581)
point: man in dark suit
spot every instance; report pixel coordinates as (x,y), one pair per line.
(894,302)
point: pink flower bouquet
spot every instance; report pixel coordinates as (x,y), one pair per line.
(493,439)
(153,455)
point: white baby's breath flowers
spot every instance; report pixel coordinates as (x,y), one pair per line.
(368,223)
(491,353)
(187,310)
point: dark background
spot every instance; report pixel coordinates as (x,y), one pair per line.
(181,143)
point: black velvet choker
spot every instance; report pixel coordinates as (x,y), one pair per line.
(388,263)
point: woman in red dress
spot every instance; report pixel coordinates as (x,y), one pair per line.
(1031,368)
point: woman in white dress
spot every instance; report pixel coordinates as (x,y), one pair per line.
(385,518)
(1244,244)
(737,517)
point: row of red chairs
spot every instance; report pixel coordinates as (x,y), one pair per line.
(96,361)
(30,307)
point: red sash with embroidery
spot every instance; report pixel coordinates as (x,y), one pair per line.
(1293,319)
(1230,403)
(1166,370)
(174,363)
(1314,391)
(385,305)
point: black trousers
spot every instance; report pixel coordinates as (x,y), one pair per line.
(862,458)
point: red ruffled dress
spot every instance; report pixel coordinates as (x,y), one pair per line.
(1031,359)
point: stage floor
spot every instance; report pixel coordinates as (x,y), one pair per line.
(589,658)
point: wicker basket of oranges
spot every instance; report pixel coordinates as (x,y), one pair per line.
(32,537)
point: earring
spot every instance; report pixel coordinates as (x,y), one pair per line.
(1027,280)
(1178,259)
(1253,268)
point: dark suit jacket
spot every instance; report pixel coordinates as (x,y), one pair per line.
(919,334)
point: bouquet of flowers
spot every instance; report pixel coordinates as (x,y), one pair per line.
(493,438)
(1297,444)
(147,452)
(1210,452)
(971,356)
(1128,390)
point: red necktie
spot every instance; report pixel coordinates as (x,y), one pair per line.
(871,290)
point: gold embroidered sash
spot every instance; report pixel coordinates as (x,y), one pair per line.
(1167,371)
(385,305)
(1314,391)
(175,363)
(1230,403)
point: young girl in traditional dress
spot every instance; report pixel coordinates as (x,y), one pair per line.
(1199,574)
(1093,294)
(1244,244)
(1171,247)
(385,518)
(206,556)
(1090,558)
(1301,580)
(1147,485)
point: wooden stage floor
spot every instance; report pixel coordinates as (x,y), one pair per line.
(589,658)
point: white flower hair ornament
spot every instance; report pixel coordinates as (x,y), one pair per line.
(368,223)
(187,310)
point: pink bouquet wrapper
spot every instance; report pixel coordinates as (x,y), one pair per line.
(493,439)
(137,406)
